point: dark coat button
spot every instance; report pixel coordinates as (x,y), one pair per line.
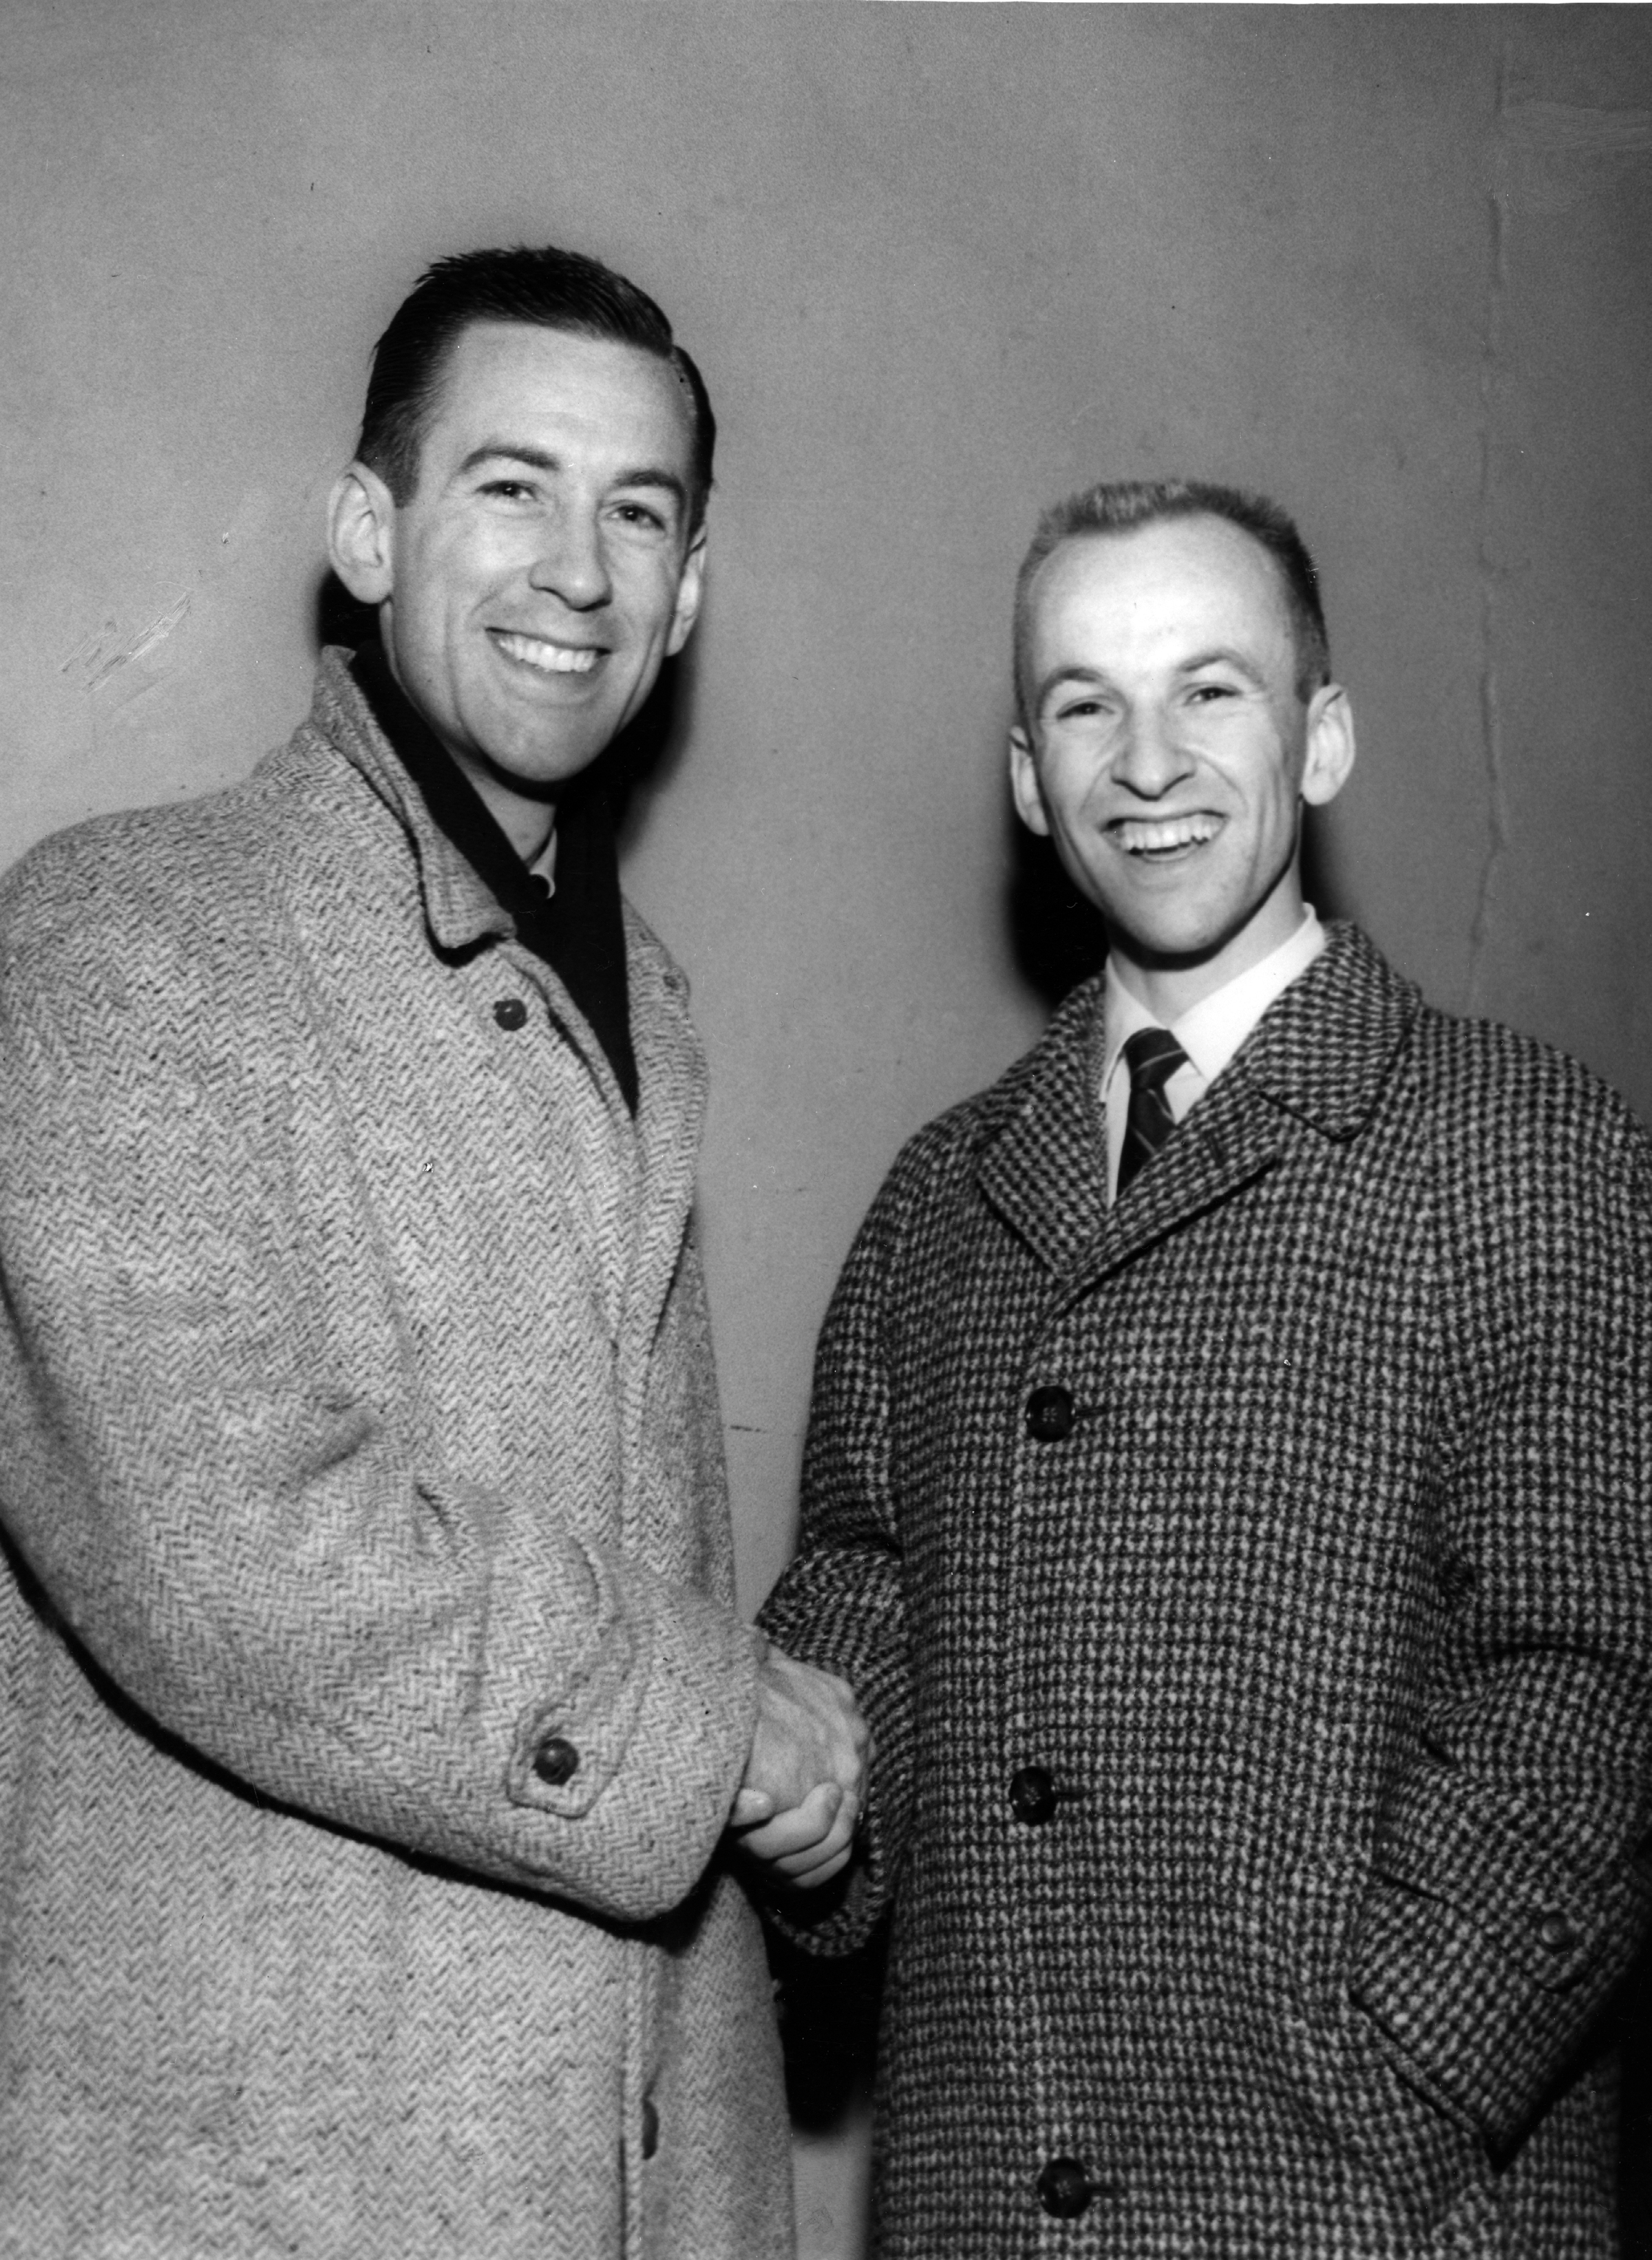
(1556,1932)
(1049,1414)
(650,2128)
(1033,1796)
(555,1761)
(1065,2189)
(511,1012)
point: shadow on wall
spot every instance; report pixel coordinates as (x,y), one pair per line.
(828,2030)
(1058,939)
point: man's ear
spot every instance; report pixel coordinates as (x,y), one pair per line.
(361,534)
(691,591)
(1029,798)
(1330,754)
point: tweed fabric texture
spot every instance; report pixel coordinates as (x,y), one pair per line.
(361,1435)
(1329,1618)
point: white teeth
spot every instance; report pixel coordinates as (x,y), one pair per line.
(1140,837)
(550,658)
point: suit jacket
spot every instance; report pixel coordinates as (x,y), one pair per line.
(1262,1713)
(371,1694)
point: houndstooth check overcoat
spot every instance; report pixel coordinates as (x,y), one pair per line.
(371,1695)
(1316,1610)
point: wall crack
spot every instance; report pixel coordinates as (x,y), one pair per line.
(1492,347)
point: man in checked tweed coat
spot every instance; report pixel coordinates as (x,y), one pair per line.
(1230,1500)
(372,1700)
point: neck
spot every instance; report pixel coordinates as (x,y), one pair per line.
(1170,986)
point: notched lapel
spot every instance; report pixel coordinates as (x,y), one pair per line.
(1045,1171)
(1326,1050)
(1232,1137)
(1319,1056)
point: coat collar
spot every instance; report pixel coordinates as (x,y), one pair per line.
(1319,1057)
(461,909)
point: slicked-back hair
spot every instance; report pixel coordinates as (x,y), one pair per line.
(544,287)
(1121,505)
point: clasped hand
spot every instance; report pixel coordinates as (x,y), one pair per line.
(800,1800)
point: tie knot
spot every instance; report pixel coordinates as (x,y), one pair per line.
(1153,1056)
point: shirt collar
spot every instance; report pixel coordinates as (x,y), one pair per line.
(1211,1031)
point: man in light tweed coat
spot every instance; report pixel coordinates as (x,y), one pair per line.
(372,1701)
(1229,1493)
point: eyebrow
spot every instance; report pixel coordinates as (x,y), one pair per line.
(1223,654)
(517,451)
(1053,681)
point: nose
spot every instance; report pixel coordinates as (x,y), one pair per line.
(571,561)
(1150,760)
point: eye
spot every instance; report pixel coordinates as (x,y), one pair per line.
(1077,710)
(509,490)
(639,514)
(1206,694)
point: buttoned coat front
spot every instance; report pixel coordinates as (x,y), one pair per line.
(371,1695)
(1311,1605)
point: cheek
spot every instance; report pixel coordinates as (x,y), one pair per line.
(1079,807)
(657,600)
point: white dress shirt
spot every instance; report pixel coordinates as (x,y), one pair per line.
(544,864)
(1210,1034)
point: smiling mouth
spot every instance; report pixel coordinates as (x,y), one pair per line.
(548,658)
(1165,837)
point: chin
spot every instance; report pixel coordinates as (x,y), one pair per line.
(536,766)
(1172,940)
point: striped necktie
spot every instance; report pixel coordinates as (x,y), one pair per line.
(1153,1056)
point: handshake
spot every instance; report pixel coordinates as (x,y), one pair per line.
(800,1800)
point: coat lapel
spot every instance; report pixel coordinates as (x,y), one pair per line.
(1317,1060)
(461,909)
(671,1074)
(1044,1171)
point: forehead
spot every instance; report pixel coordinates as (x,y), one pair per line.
(555,391)
(1174,579)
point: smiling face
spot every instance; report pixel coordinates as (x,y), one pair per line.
(544,565)
(1168,751)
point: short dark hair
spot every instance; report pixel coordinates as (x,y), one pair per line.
(1121,505)
(552,288)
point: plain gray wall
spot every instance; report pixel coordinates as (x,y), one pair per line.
(939,265)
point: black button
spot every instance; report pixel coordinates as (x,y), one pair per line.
(1033,1796)
(540,884)
(511,1012)
(650,2128)
(1049,1414)
(1556,1932)
(1065,2189)
(1458,1578)
(555,1761)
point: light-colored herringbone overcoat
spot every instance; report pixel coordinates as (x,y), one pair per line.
(1322,1599)
(359,1464)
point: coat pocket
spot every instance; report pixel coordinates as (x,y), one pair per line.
(1368,2122)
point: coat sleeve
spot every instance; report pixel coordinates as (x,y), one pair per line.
(248,1531)
(1509,1888)
(842,1604)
